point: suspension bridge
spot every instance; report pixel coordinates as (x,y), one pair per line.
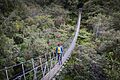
(43,67)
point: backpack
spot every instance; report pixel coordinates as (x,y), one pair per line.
(59,50)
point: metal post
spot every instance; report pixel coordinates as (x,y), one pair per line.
(41,65)
(44,69)
(36,73)
(50,65)
(35,77)
(6,73)
(47,66)
(51,61)
(23,71)
(56,58)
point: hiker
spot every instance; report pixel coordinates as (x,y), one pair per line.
(59,52)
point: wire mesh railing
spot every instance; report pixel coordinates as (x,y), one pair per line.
(32,68)
(37,66)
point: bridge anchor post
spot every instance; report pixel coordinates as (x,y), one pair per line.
(6,73)
(23,71)
(33,64)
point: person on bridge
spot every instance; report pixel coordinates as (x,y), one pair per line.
(59,52)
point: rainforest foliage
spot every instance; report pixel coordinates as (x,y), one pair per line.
(26,27)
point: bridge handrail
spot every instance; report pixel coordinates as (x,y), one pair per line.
(35,68)
(42,63)
(30,59)
(6,68)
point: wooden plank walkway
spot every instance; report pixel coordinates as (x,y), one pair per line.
(57,67)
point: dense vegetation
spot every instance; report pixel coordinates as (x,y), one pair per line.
(96,56)
(26,27)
